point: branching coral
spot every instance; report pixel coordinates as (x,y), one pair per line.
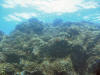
(6,68)
(58,67)
(32,68)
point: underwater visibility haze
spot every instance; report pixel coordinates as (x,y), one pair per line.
(49,37)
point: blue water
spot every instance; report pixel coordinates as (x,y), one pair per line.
(15,13)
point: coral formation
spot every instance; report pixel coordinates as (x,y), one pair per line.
(58,48)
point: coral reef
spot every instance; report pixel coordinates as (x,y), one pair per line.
(58,48)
